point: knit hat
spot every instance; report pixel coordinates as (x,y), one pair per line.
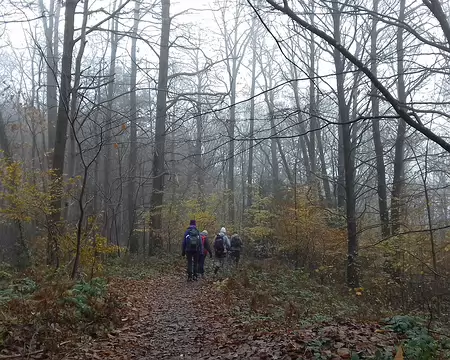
(204,232)
(193,223)
(223,230)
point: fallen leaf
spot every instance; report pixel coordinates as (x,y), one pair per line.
(399,355)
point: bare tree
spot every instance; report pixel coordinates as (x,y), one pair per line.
(379,152)
(397,183)
(132,162)
(158,170)
(61,127)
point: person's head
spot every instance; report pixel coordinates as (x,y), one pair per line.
(223,230)
(235,235)
(204,232)
(192,223)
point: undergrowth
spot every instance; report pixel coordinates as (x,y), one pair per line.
(42,309)
(132,267)
(276,297)
(281,295)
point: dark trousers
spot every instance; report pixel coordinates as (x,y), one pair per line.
(192,264)
(235,256)
(201,264)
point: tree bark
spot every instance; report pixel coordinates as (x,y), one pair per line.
(156,199)
(252,117)
(323,167)
(349,171)
(61,129)
(132,163)
(51,37)
(398,180)
(379,152)
(74,105)
(200,171)
(109,126)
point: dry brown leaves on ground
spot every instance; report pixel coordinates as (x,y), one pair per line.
(168,318)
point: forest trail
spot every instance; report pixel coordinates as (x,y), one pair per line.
(169,318)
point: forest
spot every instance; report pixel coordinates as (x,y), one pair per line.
(316,130)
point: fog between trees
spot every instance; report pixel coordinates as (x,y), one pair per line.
(315,129)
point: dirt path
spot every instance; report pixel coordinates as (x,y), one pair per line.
(165,318)
(168,318)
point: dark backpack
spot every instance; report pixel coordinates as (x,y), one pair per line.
(193,240)
(236,243)
(219,245)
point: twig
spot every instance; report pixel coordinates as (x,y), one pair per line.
(16,356)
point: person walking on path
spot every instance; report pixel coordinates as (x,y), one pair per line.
(192,248)
(206,250)
(221,247)
(235,249)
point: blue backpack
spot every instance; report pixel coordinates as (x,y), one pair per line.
(193,241)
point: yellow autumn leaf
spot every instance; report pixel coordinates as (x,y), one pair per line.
(399,355)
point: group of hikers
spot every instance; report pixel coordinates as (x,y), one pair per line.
(196,248)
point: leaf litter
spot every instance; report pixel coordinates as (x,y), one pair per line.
(167,318)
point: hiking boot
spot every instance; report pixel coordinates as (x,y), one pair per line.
(189,278)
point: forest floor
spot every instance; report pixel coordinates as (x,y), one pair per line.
(169,318)
(249,314)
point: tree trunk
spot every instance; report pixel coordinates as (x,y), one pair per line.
(349,171)
(156,200)
(397,183)
(132,163)
(379,153)
(109,126)
(323,167)
(312,100)
(61,129)
(252,117)
(304,143)
(200,171)
(74,105)
(231,130)
(51,37)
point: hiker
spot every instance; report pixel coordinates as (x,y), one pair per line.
(235,248)
(206,250)
(192,248)
(221,246)
(223,232)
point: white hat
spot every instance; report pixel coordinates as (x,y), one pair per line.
(223,230)
(205,232)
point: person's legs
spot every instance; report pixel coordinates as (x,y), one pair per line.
(189,265)
(195,257)
(217,264)
(201,264)
(237,257)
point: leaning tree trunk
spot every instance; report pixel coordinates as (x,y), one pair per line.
(156,199)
